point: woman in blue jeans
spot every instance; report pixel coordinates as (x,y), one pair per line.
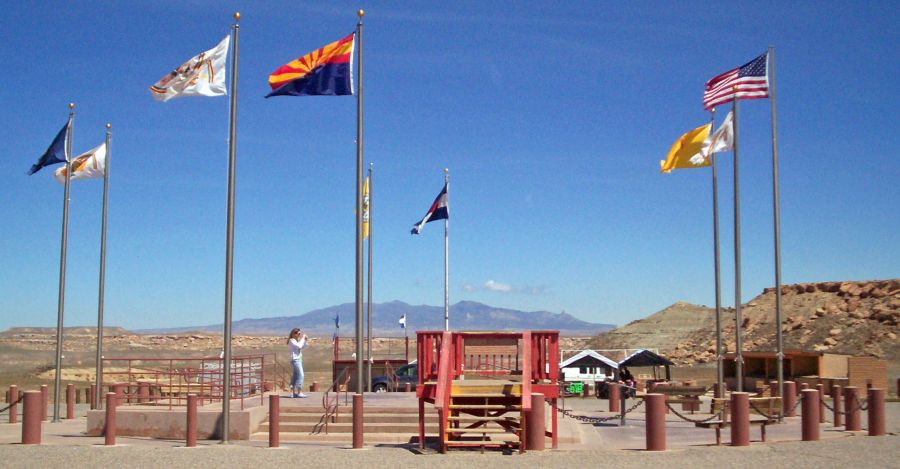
(297,342)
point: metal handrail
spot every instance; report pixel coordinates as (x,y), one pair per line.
(331,407)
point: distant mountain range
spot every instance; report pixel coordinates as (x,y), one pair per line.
(465,315)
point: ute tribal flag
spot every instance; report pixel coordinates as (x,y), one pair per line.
(688,151)
(88,165)
(201,75)
(723,138)
(749,81)
(438,211)
(325,71)
(403,322)
(56,153)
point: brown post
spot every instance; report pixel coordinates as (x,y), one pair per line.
(789,399)
(408,387)
(803,386)
(93,396)
(191,421)
(851,409)
(585,390)
(314,387)
(77,395)
(836,402)
(44,400)
(70,401)
(613,393)
(876,412)
(110,432)
(274,420)
(656,422)
(535,424)
(740,419)
(357,421)
(31,417)
(13,394)
(810,414)
(143,392)
(821,388)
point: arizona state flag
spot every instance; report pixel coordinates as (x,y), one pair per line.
(325,71)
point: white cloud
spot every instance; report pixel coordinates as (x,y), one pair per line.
(497,286)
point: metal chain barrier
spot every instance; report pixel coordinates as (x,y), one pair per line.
(797,404)
(593,420)
(825,402)
(715,416)
(860,405)
(18,399)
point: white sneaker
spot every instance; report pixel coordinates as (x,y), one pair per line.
(301,395)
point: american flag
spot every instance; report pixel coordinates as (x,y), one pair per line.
(749,81)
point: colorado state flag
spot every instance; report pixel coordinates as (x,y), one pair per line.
(326,71)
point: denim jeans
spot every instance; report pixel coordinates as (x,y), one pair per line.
(297,376)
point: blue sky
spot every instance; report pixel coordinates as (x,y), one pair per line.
(551,118)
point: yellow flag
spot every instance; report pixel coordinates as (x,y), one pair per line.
(688,151)
(366,208)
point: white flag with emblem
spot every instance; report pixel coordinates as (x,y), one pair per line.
(202,75)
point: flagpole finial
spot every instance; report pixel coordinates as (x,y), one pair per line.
(371,164)
(360,13)
(237,16)
(108,126)
(71,105)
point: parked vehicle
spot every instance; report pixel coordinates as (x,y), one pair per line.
(405,374)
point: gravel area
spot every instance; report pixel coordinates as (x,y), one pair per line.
(856,451)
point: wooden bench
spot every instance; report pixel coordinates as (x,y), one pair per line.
(718,425)
(763,411)
(687,396)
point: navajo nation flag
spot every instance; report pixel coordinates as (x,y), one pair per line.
(326,71)
(749,81)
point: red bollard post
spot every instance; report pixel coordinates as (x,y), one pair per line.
(357,421)
(810,415)
(613,389)
(876,412)
(656,422)
(44,399)
(837,403)
(70,401)
(191,436)
(821,388)
(408,387)
(274,420)
(31,417)
(789,399)
(93,396)
(851,409)
(535,425)
(13,408)
(740,419)
(803,387)
(110,432)
(143,392)
(314,387)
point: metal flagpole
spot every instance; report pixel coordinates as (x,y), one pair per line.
(720,374)
(229,242)
(358,425)
(62,268)
(738,344)
(369,302)
(99,378)
(447,254)
(775,202)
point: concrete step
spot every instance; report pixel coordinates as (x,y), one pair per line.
(347,427)
(310,409)
(347,438)
(348,417)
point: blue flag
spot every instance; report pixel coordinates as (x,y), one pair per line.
(438,211)
(55,154)
(337,321)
